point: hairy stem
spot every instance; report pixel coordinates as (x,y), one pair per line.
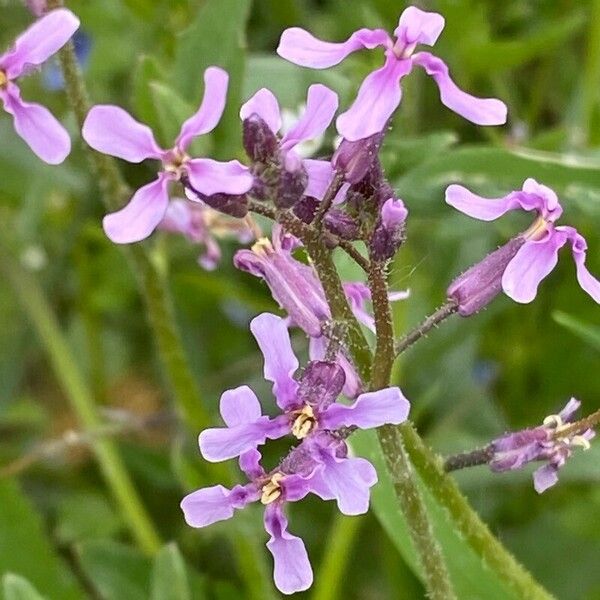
(325,204)
(433,320)
(465,519)
(580,426)
(37,308)
(474,458)
(437,580)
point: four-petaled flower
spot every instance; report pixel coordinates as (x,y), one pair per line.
(552,442)
(537,255)
(308,404)
(33,122)
(112,130)
(380,94)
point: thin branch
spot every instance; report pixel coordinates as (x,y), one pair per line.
(480,456)
(326,202)
(433,320)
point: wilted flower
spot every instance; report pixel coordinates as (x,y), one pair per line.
(202,225)
(33,122)
(537,250)
(379,94)
(544,443)
(112,130)
(308,404)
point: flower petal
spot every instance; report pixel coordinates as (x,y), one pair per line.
(40,130)
(40,41)
(223,443)
(378,97)
(321,104)
(140,217)
(112,130)
(572,406)
(239,406)
(209,176)
(419,27)
(484,209)
(207,506)
(545,477)
(372,409)
(281,363)
(586,280)
(320,175)
(211,109)
(532,262)
(249,462)
(302,48)
(346,480)
(482,111)
(265,105)
(292,571)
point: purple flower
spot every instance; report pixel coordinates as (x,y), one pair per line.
(292,570)
(389,232)
(112,130)
(544,443)
(202,225)
(297,289)
(34,123)
(308,404)
(379,94)
(538,254)
(263,110)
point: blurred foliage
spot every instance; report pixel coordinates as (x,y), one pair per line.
(60,536)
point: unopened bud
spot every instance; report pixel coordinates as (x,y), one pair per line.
(341,224)
(389,232)
(291,187)
(355,159)
(260,143)
(235,206)
(479,285)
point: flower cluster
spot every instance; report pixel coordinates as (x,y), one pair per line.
(320,465)
(552,442)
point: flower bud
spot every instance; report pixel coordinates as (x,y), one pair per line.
(479,285)
(355,159)
(306,208)
(260,143)
(235,206)
(37,7)
(389,232)
(291,187)
(341,224)
(321,383)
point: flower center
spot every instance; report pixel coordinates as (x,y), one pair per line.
(556,423)
(271,490)
(263,247)
(175,162)
(402,50)
(538,229)
(304,423)
(3,79)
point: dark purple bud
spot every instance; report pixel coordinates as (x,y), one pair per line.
(306,209)
(341,224)
(260,143)
(355,159)
(37,7)
(389,231)
(235,206)
(321,383)
(479,285)
(291,187)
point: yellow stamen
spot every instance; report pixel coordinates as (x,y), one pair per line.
(272,490)
(554,421)
(304,423)
(3,79)
(262,246)
(579,440)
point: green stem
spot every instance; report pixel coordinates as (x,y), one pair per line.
(466,520)
(336,557)
(591,73)
(437,579)
(65,367)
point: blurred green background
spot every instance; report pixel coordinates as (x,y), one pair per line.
(469,381)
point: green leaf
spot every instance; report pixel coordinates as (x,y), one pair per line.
(471,579)
(169,577)
(498,171)
(588,332)
(117,571)
(25,550)
(15,587)
(216,37)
